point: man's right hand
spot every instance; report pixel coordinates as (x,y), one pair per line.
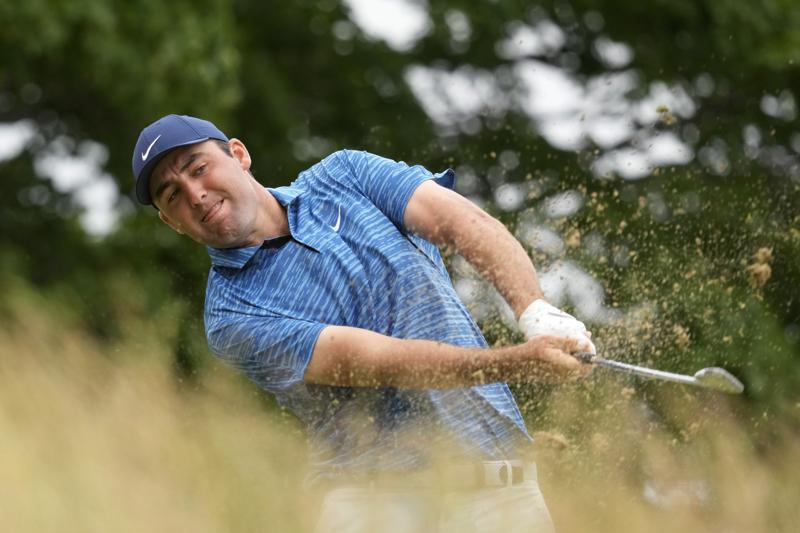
(551,359)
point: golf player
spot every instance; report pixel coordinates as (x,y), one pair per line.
(331,294)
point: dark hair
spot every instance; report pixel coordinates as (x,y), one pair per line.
(224,146)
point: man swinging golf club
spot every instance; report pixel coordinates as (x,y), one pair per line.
(330,293)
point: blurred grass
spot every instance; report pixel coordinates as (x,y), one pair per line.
(104,437)
(692,465)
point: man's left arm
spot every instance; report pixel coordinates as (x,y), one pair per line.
(446,218)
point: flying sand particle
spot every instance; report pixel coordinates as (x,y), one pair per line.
(759,271)
(665,115)
(551,439)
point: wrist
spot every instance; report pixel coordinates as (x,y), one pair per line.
(537,306)
(520,306)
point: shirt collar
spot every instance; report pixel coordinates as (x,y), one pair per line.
(287,196)
(231,257)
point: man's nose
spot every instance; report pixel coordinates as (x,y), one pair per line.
(196,193)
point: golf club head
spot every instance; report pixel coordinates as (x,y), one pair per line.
(719,379)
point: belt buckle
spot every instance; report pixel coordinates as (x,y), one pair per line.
(501,473)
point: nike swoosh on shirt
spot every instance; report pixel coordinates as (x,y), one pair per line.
(147,152)
(338,221)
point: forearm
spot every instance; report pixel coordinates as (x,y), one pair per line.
(448,219)
(353,357)
(489,247)
(346,356)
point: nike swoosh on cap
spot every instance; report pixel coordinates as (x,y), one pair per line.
(147,152)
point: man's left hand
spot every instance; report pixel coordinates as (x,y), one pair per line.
(541,318)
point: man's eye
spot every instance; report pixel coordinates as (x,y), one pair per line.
(200,169)
(172,195)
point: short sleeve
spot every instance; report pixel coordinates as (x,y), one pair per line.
(272,351)
(389,184)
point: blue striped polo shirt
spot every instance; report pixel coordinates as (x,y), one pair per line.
(350,261)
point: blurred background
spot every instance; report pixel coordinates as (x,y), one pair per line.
(647,154)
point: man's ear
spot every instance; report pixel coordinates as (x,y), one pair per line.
(239,151)
(166,220)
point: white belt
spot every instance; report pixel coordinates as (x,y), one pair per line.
(488,474)
(484,474)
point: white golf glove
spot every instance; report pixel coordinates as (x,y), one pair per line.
(541,318)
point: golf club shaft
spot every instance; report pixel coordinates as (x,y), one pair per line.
(638,370)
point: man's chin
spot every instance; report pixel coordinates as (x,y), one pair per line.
(223,241)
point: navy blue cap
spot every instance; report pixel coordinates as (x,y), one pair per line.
(162,136)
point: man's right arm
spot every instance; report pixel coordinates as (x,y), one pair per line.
(345,356)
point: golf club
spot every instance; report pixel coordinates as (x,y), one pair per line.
(714,378)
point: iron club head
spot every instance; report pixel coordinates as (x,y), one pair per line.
(713,378)
(718,379)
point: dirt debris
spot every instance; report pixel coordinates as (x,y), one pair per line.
(628,392)
(551,440)
(573,239)
(682,337)
(665,115)
(759,270)
(600,442)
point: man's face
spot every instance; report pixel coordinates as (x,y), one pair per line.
(210,196)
